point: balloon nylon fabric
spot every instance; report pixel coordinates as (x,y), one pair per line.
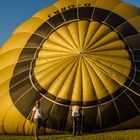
(74,52)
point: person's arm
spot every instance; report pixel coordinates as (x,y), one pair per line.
(32,115)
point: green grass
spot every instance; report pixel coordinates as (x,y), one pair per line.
(114,135)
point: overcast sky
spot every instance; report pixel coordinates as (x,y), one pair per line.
(14,12)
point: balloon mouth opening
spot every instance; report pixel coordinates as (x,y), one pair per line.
(82,65)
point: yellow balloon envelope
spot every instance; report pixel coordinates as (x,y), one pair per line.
(75,52)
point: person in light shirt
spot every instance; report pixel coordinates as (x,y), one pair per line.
(36,118)
(76,119)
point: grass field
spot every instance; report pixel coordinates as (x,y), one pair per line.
(114,135)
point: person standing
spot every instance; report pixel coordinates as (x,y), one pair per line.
(76,120)
(36,118)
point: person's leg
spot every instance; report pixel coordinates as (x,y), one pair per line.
(79,125)
(36,128)
(37,125)
(74,129)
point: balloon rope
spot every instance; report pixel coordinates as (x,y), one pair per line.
(52,100)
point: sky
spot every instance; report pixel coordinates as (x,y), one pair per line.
(15,12)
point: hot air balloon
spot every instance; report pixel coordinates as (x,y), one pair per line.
(75,52)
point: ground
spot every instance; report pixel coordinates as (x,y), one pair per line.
(114,135)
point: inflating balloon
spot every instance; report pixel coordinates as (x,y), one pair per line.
(75,52)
